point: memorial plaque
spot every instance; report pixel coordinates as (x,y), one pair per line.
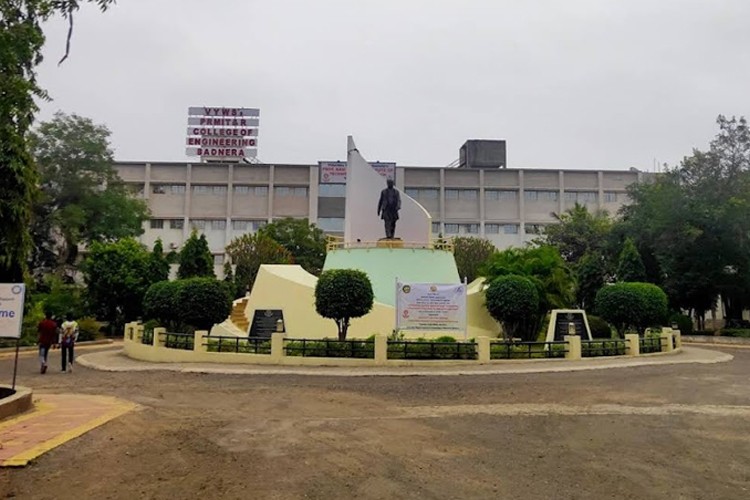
(264,322)
(561,325)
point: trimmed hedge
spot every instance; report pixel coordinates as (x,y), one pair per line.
(735,332)
(632,305)
(600,329)
(196,302)
(160,301)
(513,301)
(684,323)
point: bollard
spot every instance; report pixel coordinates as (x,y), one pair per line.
(634,344)
(381,349)
(666,342)
(574,347)
(277,347)
(158,341)
(199,343)
(483,349)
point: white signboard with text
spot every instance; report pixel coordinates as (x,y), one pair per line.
(11,309)
(215,133)
(431,307)
(334,172)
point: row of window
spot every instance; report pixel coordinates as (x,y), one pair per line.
(512,195)
(213,224)
(260,191)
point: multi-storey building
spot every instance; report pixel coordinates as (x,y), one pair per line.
(507,206)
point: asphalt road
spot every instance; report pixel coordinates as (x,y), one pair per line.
(672,431)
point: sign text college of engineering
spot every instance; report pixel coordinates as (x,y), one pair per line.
(431,307)
(11,309)
(222,133)
(334,172)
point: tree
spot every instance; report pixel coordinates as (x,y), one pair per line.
(158,263)
(304,241)
(343,294)
(630,266)
(160,303)
(590,275)
(545,268)
(117,276)
(514,302)
(249,251)
(22,39)
(471,254)
(579,232)
(82,199)
(196,260)
(203,302)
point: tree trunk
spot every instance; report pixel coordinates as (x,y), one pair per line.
(343,328)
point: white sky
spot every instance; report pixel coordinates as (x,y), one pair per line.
(574,84)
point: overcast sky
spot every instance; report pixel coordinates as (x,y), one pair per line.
(575,84)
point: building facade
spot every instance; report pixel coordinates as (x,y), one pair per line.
(507,206)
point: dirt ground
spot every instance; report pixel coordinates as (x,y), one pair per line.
(673,431)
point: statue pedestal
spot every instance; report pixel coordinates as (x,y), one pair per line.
(394,243)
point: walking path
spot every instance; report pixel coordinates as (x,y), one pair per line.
(55,420)
(117,361)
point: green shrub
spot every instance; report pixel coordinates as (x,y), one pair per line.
(431,349)
(513,301)
(684,323)
(735,332)
(632,305)
(445,338)
(600,329)
(323,349)
(88,329)
(203,302)
(161,301)
(342,294)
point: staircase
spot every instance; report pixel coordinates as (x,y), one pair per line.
(237,316)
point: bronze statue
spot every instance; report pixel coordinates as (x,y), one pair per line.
(388,207)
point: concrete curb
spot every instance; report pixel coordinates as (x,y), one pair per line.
(17,403)
(716,340)
(98,361)
(27,348)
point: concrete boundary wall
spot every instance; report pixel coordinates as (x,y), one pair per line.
(156,352)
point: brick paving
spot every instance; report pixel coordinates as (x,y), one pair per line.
(55,419)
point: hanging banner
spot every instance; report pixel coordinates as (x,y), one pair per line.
(334,172)
(431,307)
(11,309)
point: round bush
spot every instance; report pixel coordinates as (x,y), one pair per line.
(203,302)
(632,305)
(341,294)
(600,329)
(513,300)
(160,301)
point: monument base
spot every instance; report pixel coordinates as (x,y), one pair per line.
(390,243)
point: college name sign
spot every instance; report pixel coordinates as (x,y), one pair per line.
(222,133)
(11,309)
(431,307)
(334,172)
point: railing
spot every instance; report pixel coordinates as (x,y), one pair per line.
(327,348)
(241,345)
(528,350)
(595,348)
(648,345)
(183,341)
(337,243)
(147,337)
(405,349)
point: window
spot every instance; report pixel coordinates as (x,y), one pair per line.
(451,229)
(570,196)
(451,194)
(423,193)
(176,223)
(501,194)
(300,192)
(436,227)
(157,224)
(158,189)
(218,224)
(414,193)
(198,224)
(332,190)
(259,191)
(533,195)
(136,189)
(582,196)
(240,225)
(510,229)
(281,191)
(468,194)
(491,228)
(219,260)
(168,188)
(331,224)
(610,197)
(534,228)
(470,228)
(206,189)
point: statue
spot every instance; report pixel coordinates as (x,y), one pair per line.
(388,207)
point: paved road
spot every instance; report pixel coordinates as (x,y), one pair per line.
(674,431)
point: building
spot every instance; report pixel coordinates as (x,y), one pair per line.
(506,206)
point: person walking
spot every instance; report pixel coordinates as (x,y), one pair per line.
(68,338)
(47,330)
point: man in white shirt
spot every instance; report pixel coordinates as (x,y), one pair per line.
(68,338)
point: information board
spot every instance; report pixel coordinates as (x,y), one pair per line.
(431,307)
(11,309)
(264,322)
(561,325)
